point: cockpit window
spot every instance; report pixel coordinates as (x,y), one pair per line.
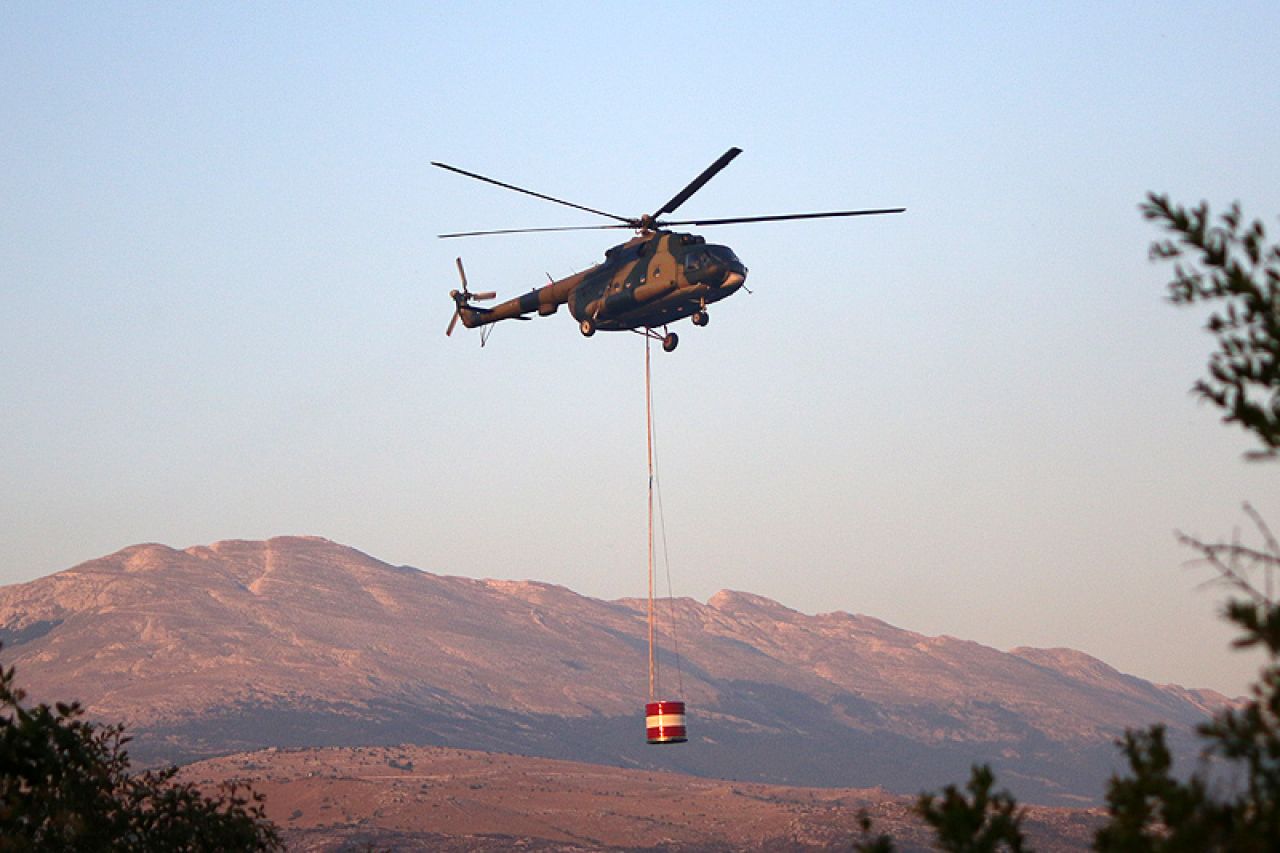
(709,257)
(724,254)
(695,261)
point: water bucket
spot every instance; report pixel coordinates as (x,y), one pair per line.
(664,722)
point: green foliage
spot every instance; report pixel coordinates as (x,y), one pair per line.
(65,786)
(1150,810)
(982,823)
(870,842)
(1231,266)
(1153,811)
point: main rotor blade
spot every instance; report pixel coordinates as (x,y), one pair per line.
(783,216)
(697,183)
(531,192)
(535,230)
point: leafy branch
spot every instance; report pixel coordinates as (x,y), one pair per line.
(1231,266)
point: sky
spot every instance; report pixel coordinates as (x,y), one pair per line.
(223,300)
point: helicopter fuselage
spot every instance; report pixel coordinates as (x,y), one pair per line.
(655,280)
(647,282)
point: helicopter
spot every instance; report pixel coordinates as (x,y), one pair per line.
(655,278)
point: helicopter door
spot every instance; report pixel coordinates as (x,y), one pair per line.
(621,294)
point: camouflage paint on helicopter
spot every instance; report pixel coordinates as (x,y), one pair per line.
(656,278)
(647,282)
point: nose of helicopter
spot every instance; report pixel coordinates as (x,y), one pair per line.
(732,271)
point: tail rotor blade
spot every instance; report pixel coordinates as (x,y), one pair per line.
(463,275)
(462,300)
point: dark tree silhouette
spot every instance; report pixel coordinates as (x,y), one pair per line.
(1151,809)
(1231,267)
(984,822)
(65,785)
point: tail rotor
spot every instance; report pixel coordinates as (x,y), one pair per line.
(463,298)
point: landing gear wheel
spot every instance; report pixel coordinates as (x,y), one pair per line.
(670,342)
(700,318)
(587,327)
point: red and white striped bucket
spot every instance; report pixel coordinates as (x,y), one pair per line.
(664,722)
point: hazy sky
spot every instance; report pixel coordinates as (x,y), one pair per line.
(222,301)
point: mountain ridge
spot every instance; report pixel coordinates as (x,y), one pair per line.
(301,641)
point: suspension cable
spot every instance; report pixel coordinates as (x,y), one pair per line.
(655,487)
(648,428)
(666,560)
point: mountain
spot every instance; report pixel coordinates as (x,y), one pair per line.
(299,642)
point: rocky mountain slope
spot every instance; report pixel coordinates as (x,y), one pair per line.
(303,642)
